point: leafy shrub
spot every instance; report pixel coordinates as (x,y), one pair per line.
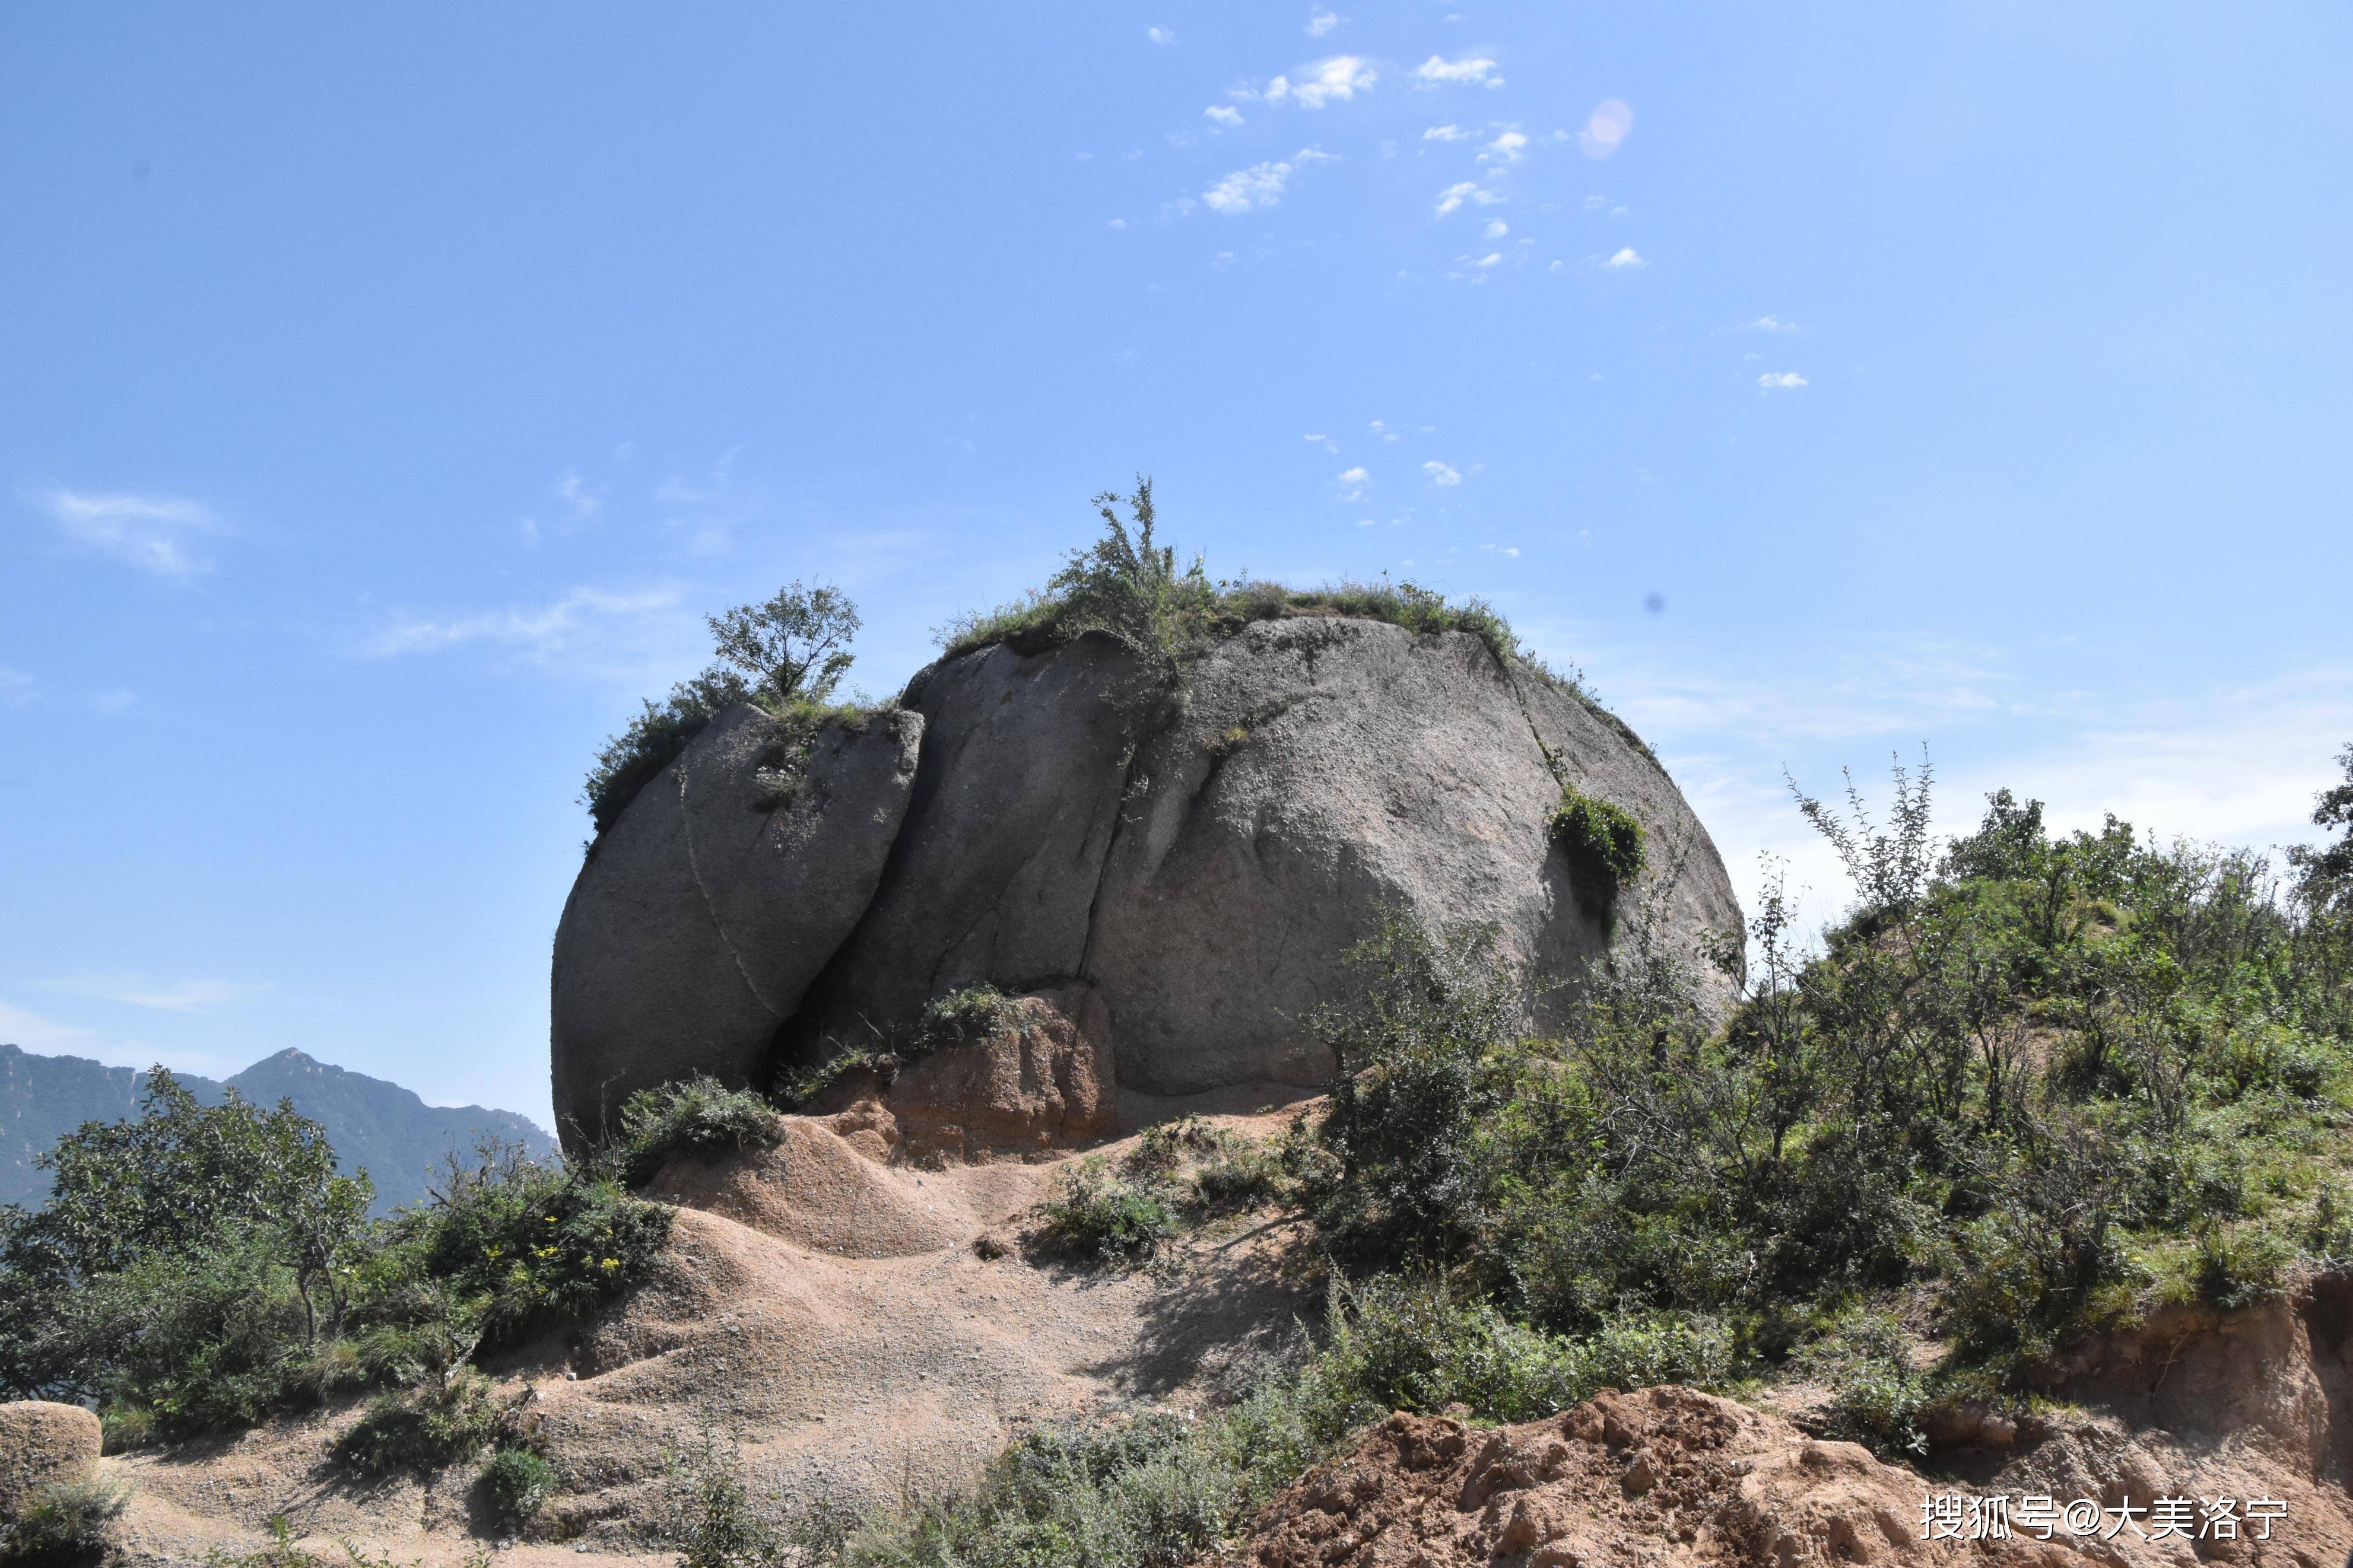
(1878,1398)
(530,1243)
(1604,846)
(517,1483)
(787,654)
(1237,1180)
(425,1429)
(699,1116)
(964,1017)
(63,1525)
(1102,1219)
(1165,1147)
(800,1085)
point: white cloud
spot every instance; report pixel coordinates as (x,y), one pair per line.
(1442,473)
(1247,190)
(1454,195)
(1446,133)
(150,532)
(1492,259)
(163,996)
(539,634)
(1320,23)
(1117,223)
(1222,116)
(1504,149)
(1341,76)
(1788,380)
(1438,71)
(1497,228)
(584,503)
(1629,257)
(1354,477)
(1307,157)
(1607,126)
(1318,435)
(1771,325)
(1160,35)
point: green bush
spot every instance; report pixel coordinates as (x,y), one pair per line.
(526,1244)
(1102,1219)
(64,1525)
(701,1117)
(517,1484)
(964,1017)
(1604,846)
(425,1429)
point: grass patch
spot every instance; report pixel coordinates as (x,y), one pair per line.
(64,1525)
(425,1429)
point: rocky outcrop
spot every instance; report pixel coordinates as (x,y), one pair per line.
(703,913)
(1203,861)
(43,1445)
(1047,1079)
(1324,768)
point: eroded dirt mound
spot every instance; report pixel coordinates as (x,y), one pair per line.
(1672,1477)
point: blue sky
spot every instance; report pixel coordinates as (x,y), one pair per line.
(385,399)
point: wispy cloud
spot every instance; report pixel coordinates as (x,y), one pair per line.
(1352,484)
(1496,228)
(1504,149)
(1454,195)
(163,996)
(1770,324)
(1629,257)
(1321,22)
(44,1036)
(1605,127)
(152,534)
(538,633)
(1442,473)
(1340,78)
(1261,184)
(1162,36)
(1223,116)
(1446,133)
(1786,381)
(1439,71)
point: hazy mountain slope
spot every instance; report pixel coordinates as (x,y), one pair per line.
(374,1124)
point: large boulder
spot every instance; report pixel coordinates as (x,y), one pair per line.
(1203,859)
(1325,768)
(43,1445)
(703,913)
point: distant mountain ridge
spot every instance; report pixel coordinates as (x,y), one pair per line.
(374,1124)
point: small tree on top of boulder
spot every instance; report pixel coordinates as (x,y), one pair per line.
(795,648)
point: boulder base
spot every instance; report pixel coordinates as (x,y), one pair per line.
(42,1445)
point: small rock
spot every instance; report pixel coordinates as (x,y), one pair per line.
(1642,1475)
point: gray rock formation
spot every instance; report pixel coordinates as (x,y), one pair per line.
(1203,863)
(1326,767)
(703,913)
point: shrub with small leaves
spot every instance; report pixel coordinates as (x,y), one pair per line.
(67,1523)
(964,1017)
(701,1116)
(1099,1217)
(1604,846)
(517,1483)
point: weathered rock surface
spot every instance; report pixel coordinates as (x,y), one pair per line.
(1204,863)
(42,1445)
(703,913)
(995,874)
(1324,768)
